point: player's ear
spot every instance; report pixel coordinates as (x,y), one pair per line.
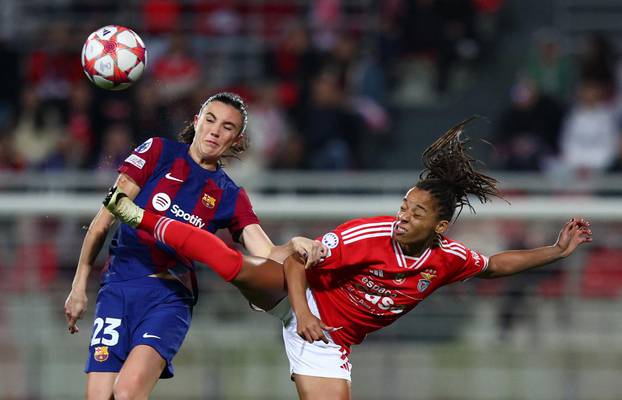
(194,122)
(441,227)
(238,142)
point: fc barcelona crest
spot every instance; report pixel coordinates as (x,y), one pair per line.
(208,201)
(101,353)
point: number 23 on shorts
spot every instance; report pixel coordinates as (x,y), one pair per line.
(109,336)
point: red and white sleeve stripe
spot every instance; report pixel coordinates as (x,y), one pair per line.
(367,231)
(453,248)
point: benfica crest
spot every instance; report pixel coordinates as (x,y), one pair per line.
(208,201)
(424,282)
(101,353)
(422,285)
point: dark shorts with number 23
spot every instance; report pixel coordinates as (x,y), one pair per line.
(144,311)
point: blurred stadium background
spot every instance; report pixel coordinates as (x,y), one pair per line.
(344,95)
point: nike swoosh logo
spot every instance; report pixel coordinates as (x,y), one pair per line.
(147,336)
(169,176)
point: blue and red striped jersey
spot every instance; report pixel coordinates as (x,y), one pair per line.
(174,185)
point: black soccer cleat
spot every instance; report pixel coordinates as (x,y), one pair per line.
(111,192)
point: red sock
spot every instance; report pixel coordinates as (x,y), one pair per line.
(194,243)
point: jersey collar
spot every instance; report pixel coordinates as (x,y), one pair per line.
(408,262)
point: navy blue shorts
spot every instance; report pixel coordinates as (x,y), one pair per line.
(148,311)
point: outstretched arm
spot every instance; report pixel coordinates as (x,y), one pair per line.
(259,244)
(77,301)
(574,233)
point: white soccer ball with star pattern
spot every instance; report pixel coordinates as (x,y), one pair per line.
(114,57)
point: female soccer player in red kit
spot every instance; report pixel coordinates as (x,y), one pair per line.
(376,269)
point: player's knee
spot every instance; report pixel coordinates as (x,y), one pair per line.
(122,393)
(128,390)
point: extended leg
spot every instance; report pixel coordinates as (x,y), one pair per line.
(261,281)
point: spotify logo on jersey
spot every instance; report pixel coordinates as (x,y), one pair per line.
(161,202)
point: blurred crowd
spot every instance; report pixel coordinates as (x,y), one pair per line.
(565,112)
(320,76)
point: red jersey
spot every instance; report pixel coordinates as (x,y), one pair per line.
(366,282)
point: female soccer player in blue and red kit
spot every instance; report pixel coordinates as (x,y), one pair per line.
(376,269)
(144,305)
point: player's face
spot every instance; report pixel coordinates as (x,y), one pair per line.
(216,128)
(418,218)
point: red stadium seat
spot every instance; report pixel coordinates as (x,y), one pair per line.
(602,275)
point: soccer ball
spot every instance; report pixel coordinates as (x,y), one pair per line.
(114,57)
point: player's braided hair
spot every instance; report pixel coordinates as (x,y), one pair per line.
(449,174)
(235,101)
